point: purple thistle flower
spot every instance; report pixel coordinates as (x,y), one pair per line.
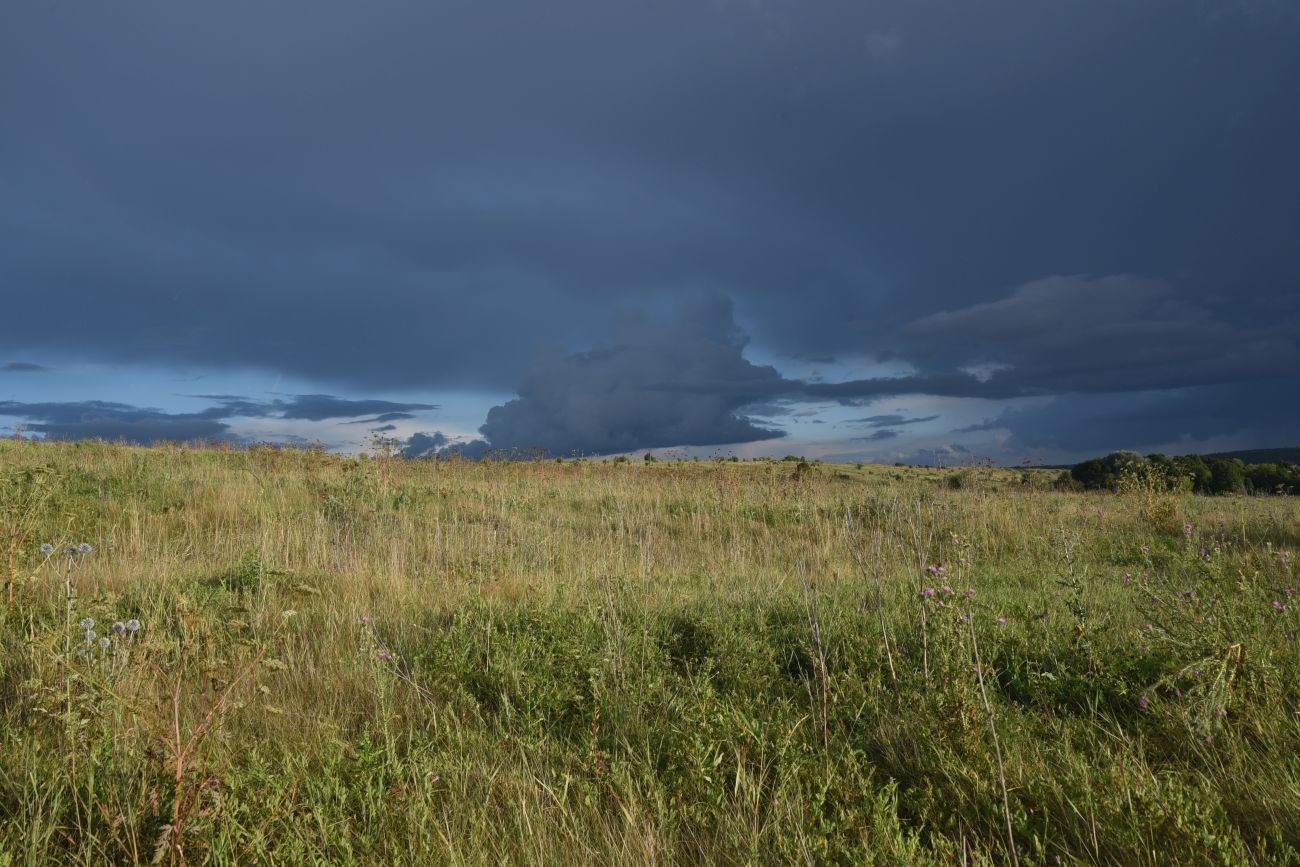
(1145,549)
(1046,614)
(947,589)
(1002,621)
(1278,606)
(970,591)
(1142,702)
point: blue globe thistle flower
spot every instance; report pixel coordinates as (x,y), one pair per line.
(119,628)
(85,548)
(104,643)
(47,549)
(133,626)
(87,623)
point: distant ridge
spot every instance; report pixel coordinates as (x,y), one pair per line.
(1260,456)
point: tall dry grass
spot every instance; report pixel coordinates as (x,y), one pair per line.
(380,661)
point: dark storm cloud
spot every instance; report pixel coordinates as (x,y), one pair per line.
(95,419)
(1178,420)
(1106,334)
(313,407)
(889,420)
(422,445)
(383,417)
(22,367)
(883,434)
(406,196)
(682,380)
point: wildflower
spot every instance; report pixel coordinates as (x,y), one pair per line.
(1142,702)
(1188,528)
(947,589)
(104,643)
(1288,591)
(1149,627)
(1278,606)
(1187,594)
(1221,713)
(962,619)
(133,626)
(970,591)
(1124,578)
(47,549)
(90,636)
(1178,693)
(1145,549)
(87,623)
(69,551)
(365,621)
(1046,614)
(962,561)
(84,548)
(927,593)
(119,628)
(1002,621)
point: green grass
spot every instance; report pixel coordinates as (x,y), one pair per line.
(389,662)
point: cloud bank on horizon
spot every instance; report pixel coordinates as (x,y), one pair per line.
(1036,230)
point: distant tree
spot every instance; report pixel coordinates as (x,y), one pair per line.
(1195,468)
(1105,473)
(1227,477)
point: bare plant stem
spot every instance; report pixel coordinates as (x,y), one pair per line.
(997,747)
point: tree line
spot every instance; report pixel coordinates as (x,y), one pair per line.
(1196,473)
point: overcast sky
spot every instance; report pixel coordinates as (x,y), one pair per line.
(916,230)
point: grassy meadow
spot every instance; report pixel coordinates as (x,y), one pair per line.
(377,661)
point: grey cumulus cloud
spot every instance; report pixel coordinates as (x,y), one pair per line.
(22,367)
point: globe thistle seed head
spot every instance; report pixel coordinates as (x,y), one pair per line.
(87,623)
(104,643)
(90,636)
(47,549)
(119,628)
(133,626)
(85,548)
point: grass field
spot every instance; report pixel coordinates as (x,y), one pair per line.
(379,661)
